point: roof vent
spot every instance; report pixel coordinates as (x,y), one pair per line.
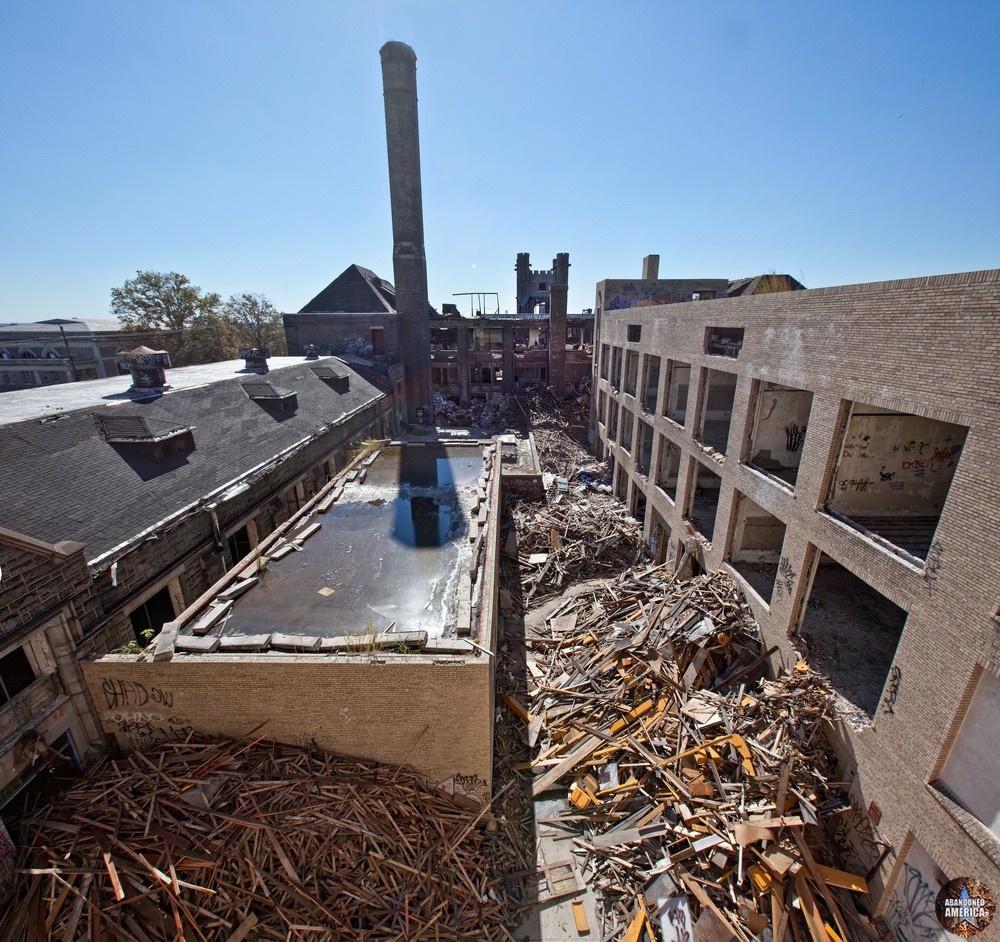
(337,377)
(266,394)
(312,351)
(147,367)
(256,358)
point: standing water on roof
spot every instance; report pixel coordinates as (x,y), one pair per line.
(390,554)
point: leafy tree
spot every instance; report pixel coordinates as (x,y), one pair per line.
(196,331)
(255,322)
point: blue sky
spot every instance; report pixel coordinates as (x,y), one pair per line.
(243,143)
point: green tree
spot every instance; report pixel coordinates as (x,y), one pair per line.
(189,322)
(256,322)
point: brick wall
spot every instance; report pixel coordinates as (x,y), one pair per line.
(928,346)
(410,710)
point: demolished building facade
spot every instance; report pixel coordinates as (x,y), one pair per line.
(833,450)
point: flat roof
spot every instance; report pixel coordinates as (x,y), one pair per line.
(393,553)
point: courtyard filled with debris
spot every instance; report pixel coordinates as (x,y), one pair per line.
(652,780)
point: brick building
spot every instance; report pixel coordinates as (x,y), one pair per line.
(121,506)
(61,350)
(834,450)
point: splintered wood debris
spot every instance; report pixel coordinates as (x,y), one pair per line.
(226,841)
(690,788)
(580,537)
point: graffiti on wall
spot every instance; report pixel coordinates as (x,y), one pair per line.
(932,565)
(892,689)
(911,914)
(147,729)
(795,435)
(854,835)
(784,581)
(130,693)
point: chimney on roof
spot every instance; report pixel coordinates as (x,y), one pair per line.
(147,367)
(651,268)
(399,85)
(256,358)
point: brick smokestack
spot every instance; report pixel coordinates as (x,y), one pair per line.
(399,86)
(651,268)
(557,338)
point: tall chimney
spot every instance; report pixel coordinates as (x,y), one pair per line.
(523,281)
(557,338)
(399,86)
(651,268)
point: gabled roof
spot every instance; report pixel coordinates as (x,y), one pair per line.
(62,480)
(355,290)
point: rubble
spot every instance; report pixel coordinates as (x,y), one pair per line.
(222,840)
(688,786)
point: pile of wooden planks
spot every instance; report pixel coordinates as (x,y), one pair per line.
(582,536)
(222,840)
(690,787)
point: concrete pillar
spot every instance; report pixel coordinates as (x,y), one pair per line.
(399,83)
(523,269)
(557,339)
(651,268)
(508,358)
(463,365)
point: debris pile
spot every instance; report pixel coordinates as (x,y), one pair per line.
(688,789)
(253,840)
(584,535)
(498,411)
(560,430)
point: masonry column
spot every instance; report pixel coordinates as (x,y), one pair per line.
(508,358)
(557,339)
(463,365)
(399,83)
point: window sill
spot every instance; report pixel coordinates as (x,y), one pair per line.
(987,841)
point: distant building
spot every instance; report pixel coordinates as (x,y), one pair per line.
(60,350)
(123,503)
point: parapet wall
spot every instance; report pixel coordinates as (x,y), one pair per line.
(432,714)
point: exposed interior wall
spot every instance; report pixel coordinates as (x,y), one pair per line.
(408,711)
(895,465)
(911,911)
(780,428)
(668,467)
(758,536)
(972,769)
(677,391)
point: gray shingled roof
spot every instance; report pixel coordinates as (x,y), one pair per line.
(61,480)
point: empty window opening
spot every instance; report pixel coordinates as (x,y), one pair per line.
(972,768)
(850,632)
(16,674)
(893,476)
(638,503)
(627,425)
(723,341)
(644,451)
(631,371)
(651,383)
(605,356)
(668,467)
(756,548)
(616,367)
(602,405)
(705,501)
(659,538)
(239,545)
(634,333)
(152,615)
(779,430)
(613,422)
(678,383)
(717,413)
(621,486)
